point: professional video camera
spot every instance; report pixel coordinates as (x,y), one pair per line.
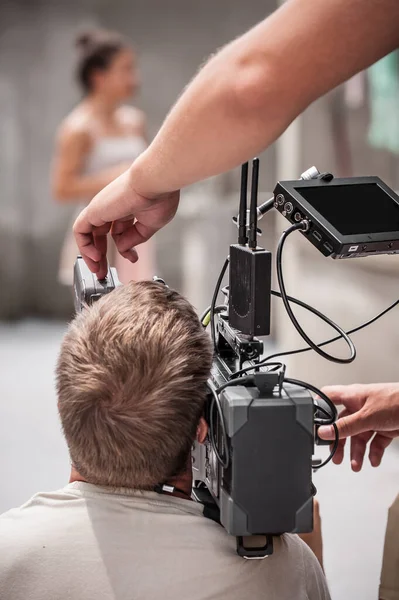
(254,473)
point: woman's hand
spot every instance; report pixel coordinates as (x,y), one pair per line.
(132,215)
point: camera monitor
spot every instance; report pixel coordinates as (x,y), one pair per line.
(347,217)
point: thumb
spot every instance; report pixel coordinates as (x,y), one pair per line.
(347,426)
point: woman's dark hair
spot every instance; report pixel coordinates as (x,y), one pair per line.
(97,48)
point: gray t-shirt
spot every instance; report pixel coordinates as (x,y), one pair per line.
(85,542)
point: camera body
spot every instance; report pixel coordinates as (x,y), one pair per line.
(87,288)
(267,486)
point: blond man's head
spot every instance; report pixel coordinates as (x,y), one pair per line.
(131,381)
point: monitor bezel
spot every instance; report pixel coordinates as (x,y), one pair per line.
(291,188)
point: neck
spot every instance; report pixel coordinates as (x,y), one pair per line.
(182,482)
(75,476)
(102,106)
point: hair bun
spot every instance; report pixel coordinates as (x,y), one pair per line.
(95,51)
(85,39)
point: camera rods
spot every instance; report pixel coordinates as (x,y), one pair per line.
(243,238)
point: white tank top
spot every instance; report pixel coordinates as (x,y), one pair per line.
(109,151)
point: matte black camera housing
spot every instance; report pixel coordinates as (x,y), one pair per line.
(267,487)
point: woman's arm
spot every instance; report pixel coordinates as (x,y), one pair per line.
(68,182)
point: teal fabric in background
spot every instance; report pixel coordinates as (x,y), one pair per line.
(383,80)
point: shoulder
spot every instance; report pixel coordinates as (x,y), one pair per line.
(315,580)
(42,500)
(292,571)
(13,524)
(75,130)
(37,514)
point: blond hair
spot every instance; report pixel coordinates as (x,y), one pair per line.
(131,382)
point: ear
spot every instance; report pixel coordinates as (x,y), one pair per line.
(202,430)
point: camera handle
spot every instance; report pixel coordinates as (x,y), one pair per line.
(257,552)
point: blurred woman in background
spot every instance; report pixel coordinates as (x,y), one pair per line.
(100,139)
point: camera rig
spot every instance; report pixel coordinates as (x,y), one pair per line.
(254,472)
(257,464)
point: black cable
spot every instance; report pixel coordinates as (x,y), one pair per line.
(318,314)
(315,390)
(303,334)
(330,341)
(319,421)
(213,303)
(265,361)
(333,415)
(338,337)
(231,382)
(224,461)
(218,309)
(276,366)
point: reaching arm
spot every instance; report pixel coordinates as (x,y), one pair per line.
(239,103)
(247,94)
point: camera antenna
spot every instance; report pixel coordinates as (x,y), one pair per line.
(242,215)
(253,209)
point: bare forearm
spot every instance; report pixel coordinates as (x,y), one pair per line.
(247,94)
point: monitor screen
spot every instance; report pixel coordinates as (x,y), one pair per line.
(354,209)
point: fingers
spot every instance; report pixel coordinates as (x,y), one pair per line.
(87,249)
(348,425)
(128,234)
(339,454)
(94,266)
(358,449)
(100,242)
(123,237)
(122,224)
(131,255)
(379,444)
(132,235)
(352,397)
(92,243)
(377,448)
(340,451)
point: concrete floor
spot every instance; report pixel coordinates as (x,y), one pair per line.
(33,457)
